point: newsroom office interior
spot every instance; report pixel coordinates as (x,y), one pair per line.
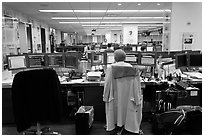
(175,38)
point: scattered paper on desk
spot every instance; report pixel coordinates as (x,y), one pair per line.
(77,81)
(97,74)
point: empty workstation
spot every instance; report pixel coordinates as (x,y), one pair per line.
(101,68)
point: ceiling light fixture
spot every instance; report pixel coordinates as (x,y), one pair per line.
(139,4)
(88,22)
(56,10)
(73,18)
(109,11)
(119,4)
(102,25)
(158,4)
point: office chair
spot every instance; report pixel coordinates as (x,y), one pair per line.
(36,98)
(123,100)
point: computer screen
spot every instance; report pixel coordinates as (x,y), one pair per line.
(97,58)
(16,62)
(147,60)
(139,48)
(181,60)
(150,48)
(71,60)
(195,60)
(131,58)
(110,58)
(55,60)
(36,60)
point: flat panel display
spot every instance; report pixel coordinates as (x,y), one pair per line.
(150,48)
(16,62)
(97,58)
(147,60)
(36,60)
(195,60)
(71,60)
(55,60)
(110,58)
(181,60)
(131,58)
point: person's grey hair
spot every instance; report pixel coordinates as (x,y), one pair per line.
(119,55)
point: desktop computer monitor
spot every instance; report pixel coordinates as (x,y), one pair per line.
(55,60)
(36,60)
(131,58)
(71,60)
(150,48)
(194,60)
(147,59)
(16,62)
(181,60)
(110,57)
(97,59)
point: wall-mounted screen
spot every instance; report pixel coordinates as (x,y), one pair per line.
(195,60)
(16,62)
(55,60)
(36,60)
(71,60)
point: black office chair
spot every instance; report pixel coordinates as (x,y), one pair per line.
(36,98)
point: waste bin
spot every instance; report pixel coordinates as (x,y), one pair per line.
(84,118)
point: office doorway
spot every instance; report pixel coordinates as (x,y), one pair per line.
(43,40)
(29,38)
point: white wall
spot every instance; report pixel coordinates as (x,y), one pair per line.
(186,17)
(127,38)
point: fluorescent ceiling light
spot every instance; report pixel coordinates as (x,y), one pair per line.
(137,10)
(132,22)
(88,22)
(105,11)
(64,18)
(102,25)
(67,18)
(56,10)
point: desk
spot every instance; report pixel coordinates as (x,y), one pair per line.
(87,93)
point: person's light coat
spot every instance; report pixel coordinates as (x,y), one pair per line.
(122,97)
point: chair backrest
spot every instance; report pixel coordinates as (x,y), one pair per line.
(35,97)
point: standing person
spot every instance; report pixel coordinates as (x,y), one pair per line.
(63,43)
(109,47)
(122,95)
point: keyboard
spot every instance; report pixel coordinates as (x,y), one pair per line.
(182,84)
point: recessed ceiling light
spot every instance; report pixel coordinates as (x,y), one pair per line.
(119,4)
(158,4)
(139,4)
